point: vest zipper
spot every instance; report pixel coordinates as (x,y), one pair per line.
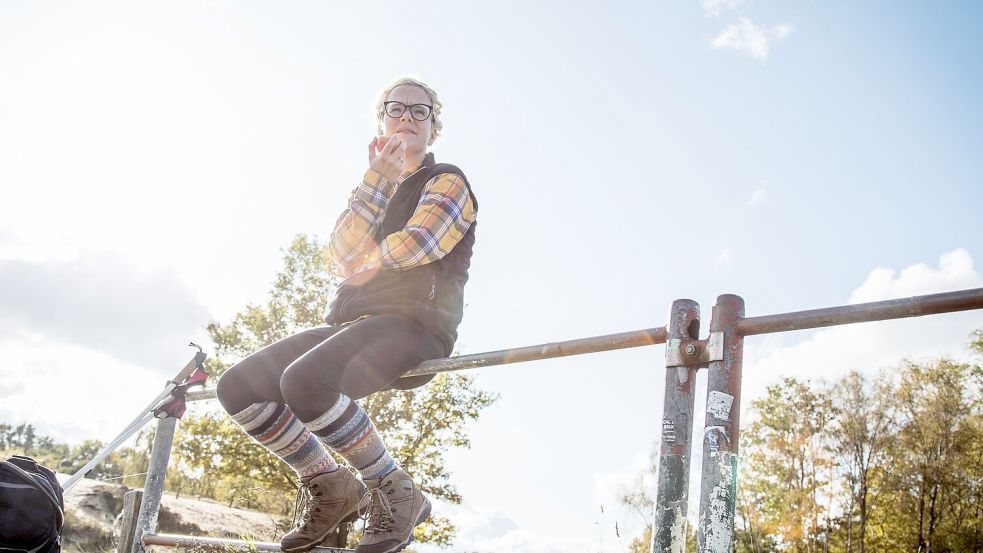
(433,286)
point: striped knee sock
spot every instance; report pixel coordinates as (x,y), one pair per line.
(277,429)
(347,430)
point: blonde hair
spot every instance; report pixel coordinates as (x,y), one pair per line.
(380,109)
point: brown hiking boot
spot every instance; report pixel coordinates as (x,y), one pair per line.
(329,499)
(395,506)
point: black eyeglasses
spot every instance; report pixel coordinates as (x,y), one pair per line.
(420,112)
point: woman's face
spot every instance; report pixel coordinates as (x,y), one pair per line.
(416,134)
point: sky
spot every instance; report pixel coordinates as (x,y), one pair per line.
(155,159)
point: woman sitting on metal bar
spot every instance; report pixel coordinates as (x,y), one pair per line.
(404,246)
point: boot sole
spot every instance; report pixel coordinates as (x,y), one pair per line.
(350,517)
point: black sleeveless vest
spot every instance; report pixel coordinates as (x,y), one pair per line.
(432,294)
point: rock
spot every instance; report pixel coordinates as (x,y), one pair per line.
(92,508)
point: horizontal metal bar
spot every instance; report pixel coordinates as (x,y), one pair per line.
(874,311)
(594,344)
(581,346)
(201,395)
(221,544)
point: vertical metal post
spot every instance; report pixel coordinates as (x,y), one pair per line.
(718,493)
(669,527)
(153,488)
(131,510)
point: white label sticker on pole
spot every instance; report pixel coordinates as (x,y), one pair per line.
(718,405)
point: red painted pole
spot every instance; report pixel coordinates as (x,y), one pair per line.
(672,497)
(721,434)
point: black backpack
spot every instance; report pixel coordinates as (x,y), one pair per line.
(31,507)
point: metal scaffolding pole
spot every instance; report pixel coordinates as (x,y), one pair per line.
(721,433)
(672,499)
(153,489)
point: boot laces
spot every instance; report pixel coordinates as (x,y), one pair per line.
(379,515)
(305,497)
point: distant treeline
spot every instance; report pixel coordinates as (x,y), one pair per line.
(24,439)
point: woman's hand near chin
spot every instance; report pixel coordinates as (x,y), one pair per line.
(386,156)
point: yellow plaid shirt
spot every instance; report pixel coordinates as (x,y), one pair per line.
(441,219)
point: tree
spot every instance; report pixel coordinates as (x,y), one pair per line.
(964,507)
(638,498)
(23,437)
(749,534)
(861,435)
(939,405)
(786,462)
(967,513)
(418,425)
(977,341)
(80,455)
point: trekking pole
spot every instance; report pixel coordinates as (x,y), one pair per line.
(130,430)
(169,401)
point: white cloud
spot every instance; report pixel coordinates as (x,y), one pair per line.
(72,393)
(955,272)
(747,38)
(726,256)
(780,32)
(521,541)
(489,531)
(760,195)
(830,353)
(614,527)
(479,523)
(102,302)
(713,8)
